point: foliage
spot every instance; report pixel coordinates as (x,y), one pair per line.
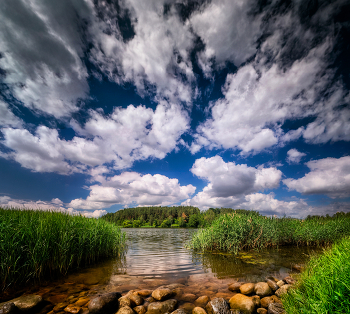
(324,286)
(249,230)
(34,244)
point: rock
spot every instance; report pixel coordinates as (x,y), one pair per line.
(298,267)
(125,310)
(235,286)
(175,286)
(125,301)
(84,310)
(104,303)
(272,284)
(150,299)
(73,309)
(140,309)
(272,278)
(289,280)
(202,301)
(242,303)
(261,311)
(256,300)
(179,311)
(27,302)
(217,306)
(267,300)
(280,283)
(167,306)
(275,308)
(198,310)
(59,307)
(136,299)
(247,288)
(144,293)
(188,297)
(161,294)
(8,308)
(283,290)
(187,307)
(262,289)
(82,301)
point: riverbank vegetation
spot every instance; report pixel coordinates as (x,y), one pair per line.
(324,286)
(246,230)
(166,217)
(36,244)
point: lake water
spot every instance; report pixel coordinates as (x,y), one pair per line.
(158,256)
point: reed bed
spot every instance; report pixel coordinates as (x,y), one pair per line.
(324,286)
(43,244)
(235,232)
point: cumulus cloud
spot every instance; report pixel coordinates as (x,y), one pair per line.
(41,49)
(7,118)
(329,176)
(133,133)
(133,188)
(294,156)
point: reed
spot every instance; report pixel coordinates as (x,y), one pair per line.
(235,232)
(324,286)
(43,244)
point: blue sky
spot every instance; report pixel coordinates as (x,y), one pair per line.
(113,104)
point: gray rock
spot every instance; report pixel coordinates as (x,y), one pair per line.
(167,306)
(104,303)
(283,290)
(27,302)
(275,308)
(218,306)
(8,308)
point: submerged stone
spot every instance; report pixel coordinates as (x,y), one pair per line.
(104,303)
(161,294)
(8,308)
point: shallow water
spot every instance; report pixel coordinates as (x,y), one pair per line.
(158,256)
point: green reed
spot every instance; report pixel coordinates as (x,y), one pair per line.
(234,232)
(324,285)
(41,244)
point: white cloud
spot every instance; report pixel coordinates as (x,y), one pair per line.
(41,47)
(133,133)
(7,118)
(133,188)
(227,30)
(294,156)
(330,176)
(8,202)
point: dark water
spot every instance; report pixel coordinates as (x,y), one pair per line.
(158,256)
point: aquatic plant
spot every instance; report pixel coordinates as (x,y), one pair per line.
(324,286)
(236,231)
(36,244)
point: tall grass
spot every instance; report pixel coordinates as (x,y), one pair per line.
(235,232)
(324,286)
(36,244)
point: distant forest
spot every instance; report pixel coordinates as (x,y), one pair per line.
(168,217)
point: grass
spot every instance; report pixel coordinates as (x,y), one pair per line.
(324,286)
(235,232)
(36,244)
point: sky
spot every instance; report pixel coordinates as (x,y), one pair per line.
(223,103)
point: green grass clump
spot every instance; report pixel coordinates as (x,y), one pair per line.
(324,286)
(236,231)
(36,244)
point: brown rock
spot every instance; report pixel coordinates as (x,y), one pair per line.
(125,310)
(298,267)
(256,300)
(136,298)
(187,307)
(178,292)
(58,298)
(188,297)
(144,293)
(202,301)
(8,308)
(82,301)
(150,299)
(261,311)
(84,310)
(104,303)
(283,290)
(267,300)
(280,283)
(140,309)
(126,301)
(242,303)
(289,280)
(262,289)
(167,306)
(275,308)
(27,302)
(198,310)
(247,288)
(217,306)
(272,284)
(59,307)
(179,311)
(73,309)
(235,286)
(161,294)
